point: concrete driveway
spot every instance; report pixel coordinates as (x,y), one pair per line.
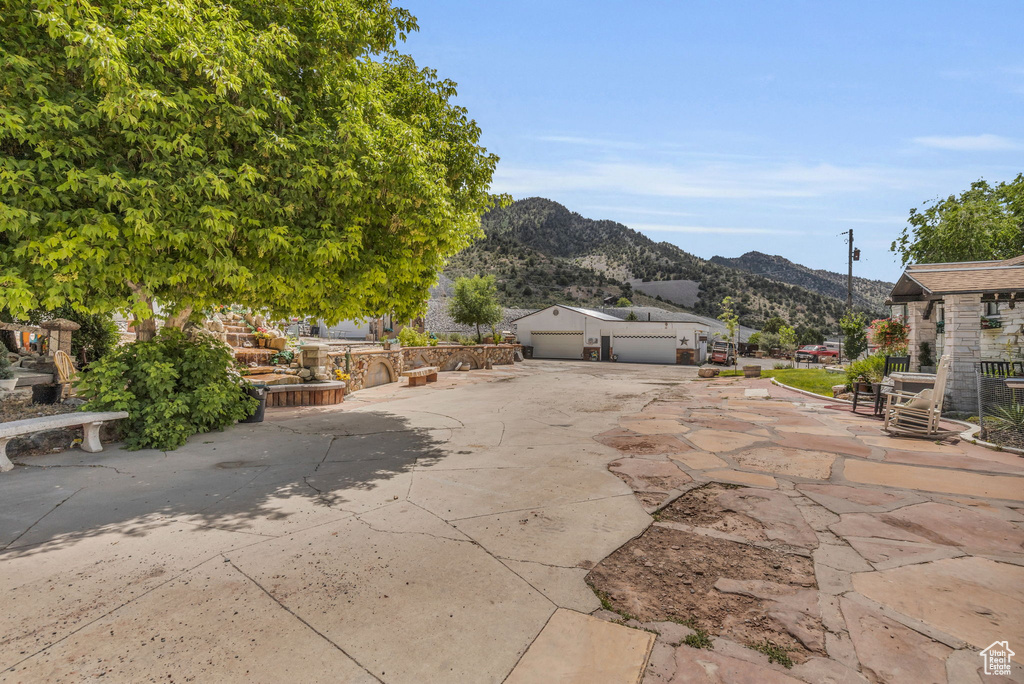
(443,534)
(408,535)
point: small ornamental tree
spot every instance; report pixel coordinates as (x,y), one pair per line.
(623,302)
(855,339)
(730,319)
(281,155)
(787,338)
(475,303)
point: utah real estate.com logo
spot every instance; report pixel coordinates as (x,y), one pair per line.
(997,658)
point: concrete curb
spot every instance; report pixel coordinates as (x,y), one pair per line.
(809,394)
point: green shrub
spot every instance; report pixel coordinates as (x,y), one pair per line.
(409,337)
(172,387)
(5,364)
(869,369)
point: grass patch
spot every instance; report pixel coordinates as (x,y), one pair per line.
(775,653)
(699,639)
(606,603)
(816,380)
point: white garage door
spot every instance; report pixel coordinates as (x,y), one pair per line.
(566,344)
(645,348)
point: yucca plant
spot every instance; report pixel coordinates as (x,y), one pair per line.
(1009,417)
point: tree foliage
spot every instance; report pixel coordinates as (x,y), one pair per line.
(985,222)
(787,338)
(475,303)
(855,338)
(729,318)
(282,155)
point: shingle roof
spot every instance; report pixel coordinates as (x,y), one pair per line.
(960,278)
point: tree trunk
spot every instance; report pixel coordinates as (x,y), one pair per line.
(478,338)
(179,319)
(145,329)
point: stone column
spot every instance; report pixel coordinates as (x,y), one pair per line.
(963,344)
(920,331)
(315,358)
(60,334)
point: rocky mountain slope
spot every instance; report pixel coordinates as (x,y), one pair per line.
(542,253)
(870,294)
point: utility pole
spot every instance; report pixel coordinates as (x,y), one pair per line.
(849,273)
(852,255)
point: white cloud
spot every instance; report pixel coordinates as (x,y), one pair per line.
(970,143)
(713,230)
(699,180)
(637,210)
(590,142)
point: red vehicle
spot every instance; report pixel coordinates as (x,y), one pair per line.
(723,353)
(818,353)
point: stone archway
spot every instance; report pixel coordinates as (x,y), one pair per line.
(379,372)
(464,357)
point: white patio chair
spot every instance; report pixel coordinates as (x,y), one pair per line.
(918,415)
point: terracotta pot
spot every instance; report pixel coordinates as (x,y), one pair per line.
(261,342)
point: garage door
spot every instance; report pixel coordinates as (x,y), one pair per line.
(566,344)
(645,348)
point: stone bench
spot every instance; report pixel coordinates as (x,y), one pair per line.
(421,376)
(90,421)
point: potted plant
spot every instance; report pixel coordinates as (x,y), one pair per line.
(865,375)
(990,323)
(263,336)
(7,379)
(927,361)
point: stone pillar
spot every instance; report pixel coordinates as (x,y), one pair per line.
(963,344)
(315,358)
(920,331)
(60,334)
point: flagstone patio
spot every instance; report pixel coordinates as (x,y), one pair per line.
(917,547)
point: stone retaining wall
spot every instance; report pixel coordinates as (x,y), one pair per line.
(374,365)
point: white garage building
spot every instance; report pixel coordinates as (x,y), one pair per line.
(568,332)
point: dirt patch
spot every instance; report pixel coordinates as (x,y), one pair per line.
(700,508)
(670,575)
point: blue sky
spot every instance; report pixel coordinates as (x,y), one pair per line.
(725,127)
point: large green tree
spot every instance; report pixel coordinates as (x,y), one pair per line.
(165,156)
(985,222)
(475,302)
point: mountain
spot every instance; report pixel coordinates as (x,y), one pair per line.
(870,294)
(542,253)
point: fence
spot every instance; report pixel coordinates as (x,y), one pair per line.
(1001,403)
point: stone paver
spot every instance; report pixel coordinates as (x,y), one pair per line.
(936,480)
(742,478)
(650,476)
(968,598)
(579,649)
(814,465)
(890,652)
(699,460)
(717,441)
